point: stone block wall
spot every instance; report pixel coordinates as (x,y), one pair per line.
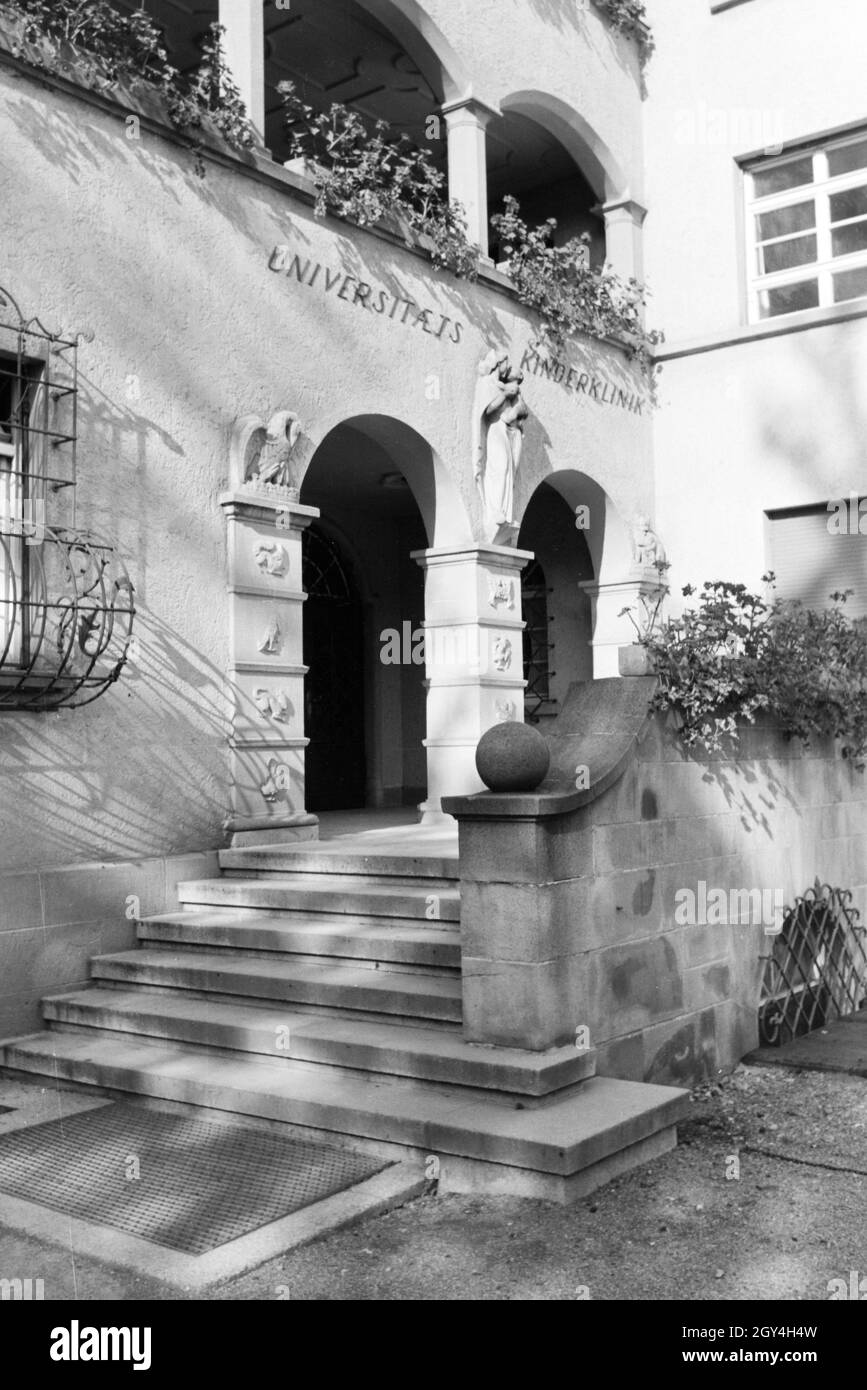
(52,922)
(578,919)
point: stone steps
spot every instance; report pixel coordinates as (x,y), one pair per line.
(319,986)
(333,858)
(395,942)
(602,1120)
(309,894)
(429,1054)
(325,985)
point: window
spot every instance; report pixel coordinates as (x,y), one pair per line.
(66,600)
(819,550)
(807,229)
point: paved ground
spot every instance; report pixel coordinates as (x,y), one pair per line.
(783,1221)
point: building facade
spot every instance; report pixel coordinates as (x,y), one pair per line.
(274,420)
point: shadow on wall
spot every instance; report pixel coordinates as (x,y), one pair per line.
(826,366)
(572,15)
(80,148)
(732,772)
(141,773)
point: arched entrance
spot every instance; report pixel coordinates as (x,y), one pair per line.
(582,578)
(335,764)
(373,480)
(556,610)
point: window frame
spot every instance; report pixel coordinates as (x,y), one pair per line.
(819,190)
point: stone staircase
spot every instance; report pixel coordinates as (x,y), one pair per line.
(319,985)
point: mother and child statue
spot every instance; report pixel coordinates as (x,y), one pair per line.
(499,413)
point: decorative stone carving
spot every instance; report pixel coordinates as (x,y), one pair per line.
(501,591)
(278,783)
(499,413)
(647,549)
(271,642)
(505,711)
(272,558)
(273,704)
(503,654)
(261,454)
(512,758)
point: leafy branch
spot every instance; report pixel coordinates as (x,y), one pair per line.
(109,48)
(735,654)
(569,294)
(367,176)
(629,17)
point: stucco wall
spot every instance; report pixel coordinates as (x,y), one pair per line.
(722,87)
(768,416)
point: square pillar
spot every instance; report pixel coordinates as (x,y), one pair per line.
(244,46)
(611,626)
(466,123)
(474,659)
(623,238)
(266,671)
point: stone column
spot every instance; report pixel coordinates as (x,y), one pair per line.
(611,631)
(474,659)
(244,44)
(623,237)
(266,671)
(466,123)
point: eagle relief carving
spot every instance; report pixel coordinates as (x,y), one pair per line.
(263,453)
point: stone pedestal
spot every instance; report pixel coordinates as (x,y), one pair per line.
(266,672)
(474,659)
(612,628)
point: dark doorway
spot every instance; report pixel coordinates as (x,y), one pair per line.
(334,687)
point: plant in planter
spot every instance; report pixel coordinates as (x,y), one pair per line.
(369,177)
(636,660)
(568,293)
(210,97)
(92,34)
(735,654)
(106,49)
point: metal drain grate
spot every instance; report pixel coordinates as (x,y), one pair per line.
(179,1182)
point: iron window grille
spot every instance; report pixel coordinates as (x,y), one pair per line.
(66,599)
(538,644)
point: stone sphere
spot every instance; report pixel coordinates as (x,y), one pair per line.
(512,758)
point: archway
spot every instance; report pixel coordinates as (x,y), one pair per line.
(335,762)
(556,610)
(375,483)
(385,61)
(583,552)
(532,164)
